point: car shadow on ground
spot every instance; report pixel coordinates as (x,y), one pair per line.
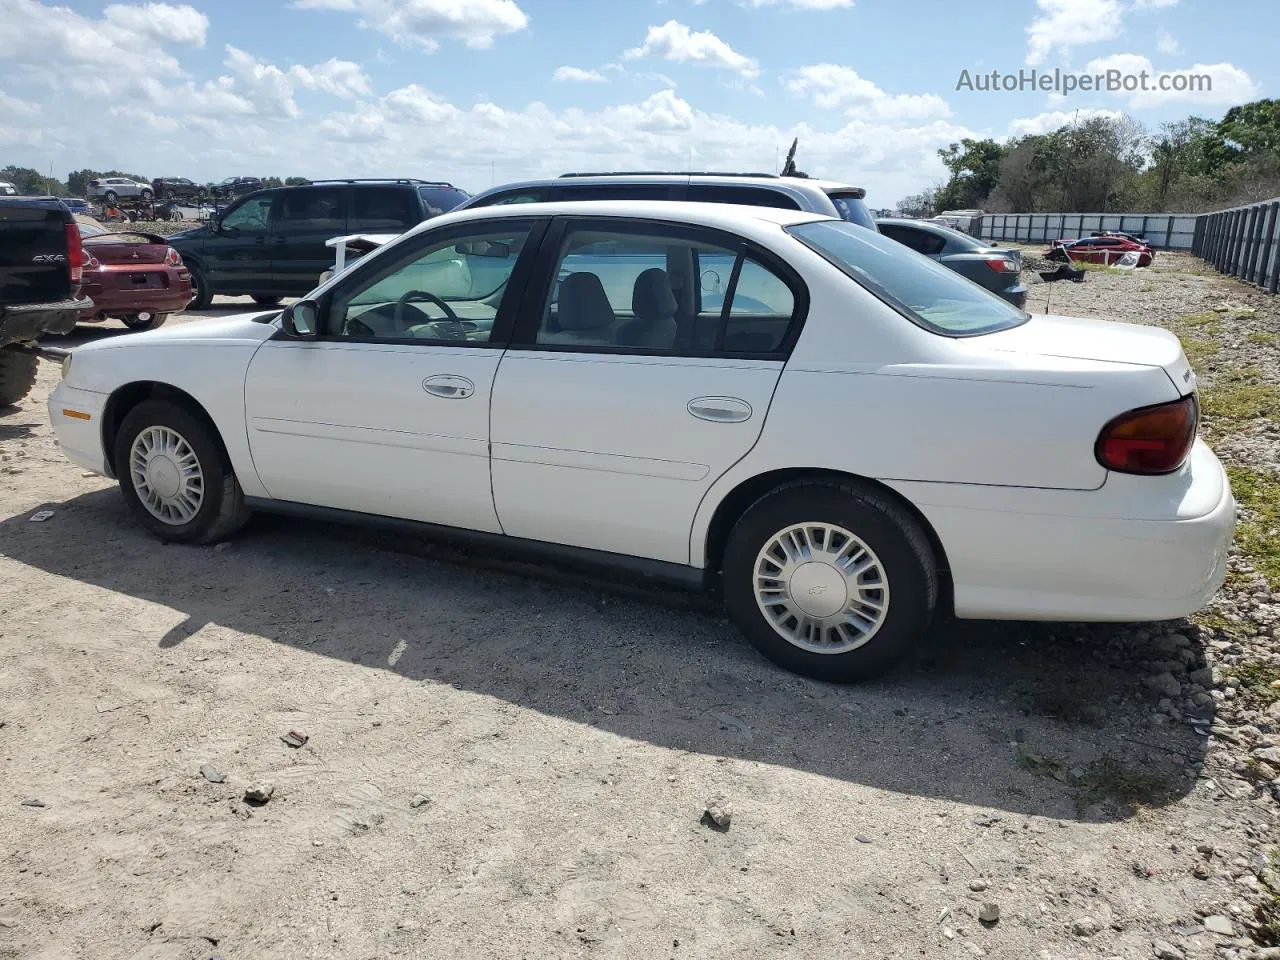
(1045,719)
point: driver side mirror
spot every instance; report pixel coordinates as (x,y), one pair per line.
(302,320)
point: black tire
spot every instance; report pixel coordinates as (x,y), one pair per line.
(201,292)
(892,534)
(222,510)
(265,300)
(135,321)
(146,195)
(111,196)
(17,375)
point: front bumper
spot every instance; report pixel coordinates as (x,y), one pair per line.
(27,321)
(76,416)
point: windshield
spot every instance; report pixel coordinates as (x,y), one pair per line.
(926,292)
(851,207)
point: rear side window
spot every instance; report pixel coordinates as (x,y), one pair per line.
(748,196)
(515,196)
(851,208)
(311,208)
(382,208)
(440,200)
(921,241)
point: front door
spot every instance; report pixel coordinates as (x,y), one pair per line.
(236,255)
(304,219)
(641,371)
(387,412)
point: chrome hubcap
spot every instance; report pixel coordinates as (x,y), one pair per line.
(821,588)
(166,475)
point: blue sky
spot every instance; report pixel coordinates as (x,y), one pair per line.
(482,90)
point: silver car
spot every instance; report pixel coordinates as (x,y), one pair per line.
(111,189)
(749,189)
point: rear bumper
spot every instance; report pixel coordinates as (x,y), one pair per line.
(26,321)
(76,417)
(114,294)
(1016,295)
(1057,564)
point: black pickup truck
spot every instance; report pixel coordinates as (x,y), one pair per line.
(41,260)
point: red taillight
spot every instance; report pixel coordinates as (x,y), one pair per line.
(75,254)
(1152,439)
(172,258)
(1001,265)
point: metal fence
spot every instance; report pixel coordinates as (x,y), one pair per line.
(1243,242)
(1164,231)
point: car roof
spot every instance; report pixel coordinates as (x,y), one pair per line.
(724,179)
(727,216)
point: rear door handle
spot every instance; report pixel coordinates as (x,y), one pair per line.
(449,387)
(720,409)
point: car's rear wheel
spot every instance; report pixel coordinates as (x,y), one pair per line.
(201,292)
(831,580)
(175,476)
(265,300)
(145,320)
(17,374)
(110,196)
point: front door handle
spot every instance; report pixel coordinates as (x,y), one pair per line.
(720,409)
(449,387)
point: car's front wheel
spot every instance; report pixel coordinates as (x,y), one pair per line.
(144,320)
(266,300)
(110,196)
(831,580)
(201,291)
(174,475)
(146,196)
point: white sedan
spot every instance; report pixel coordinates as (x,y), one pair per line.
(841,434)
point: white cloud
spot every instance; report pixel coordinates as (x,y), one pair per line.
(265,84)
(424,22)
(578,75)
(418,105)
(1053,119)
(340,78)
(832,85)
(1227,85)
(1168,44)
(1154,4)
(160,21)
(675,41)
(1063,24)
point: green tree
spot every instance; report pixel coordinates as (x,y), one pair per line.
(32,182)
(78,180)
(1251,128)
(975,169)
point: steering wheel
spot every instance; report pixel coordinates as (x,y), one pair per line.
(411,295)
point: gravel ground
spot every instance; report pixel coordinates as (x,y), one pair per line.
(505,762)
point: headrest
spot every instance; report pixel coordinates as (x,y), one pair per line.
(583,304)
(652,297)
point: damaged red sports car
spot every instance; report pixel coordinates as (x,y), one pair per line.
(132,276)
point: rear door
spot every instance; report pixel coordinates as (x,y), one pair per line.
(304,219)
(626,393)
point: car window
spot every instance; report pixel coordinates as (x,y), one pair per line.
(515,196)
(311,208)
(440,200)
(448,292)
(253,214)
(853,208)
(613,191)
(921,241)
(382,208)
(923,290)
(664,292)
(747,196)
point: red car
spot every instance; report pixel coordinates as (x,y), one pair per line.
(1105,250)
(132,276)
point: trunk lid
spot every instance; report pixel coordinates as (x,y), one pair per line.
(129,249)
(33,251)
(1082,338)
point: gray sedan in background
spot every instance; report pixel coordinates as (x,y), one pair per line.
(996,268)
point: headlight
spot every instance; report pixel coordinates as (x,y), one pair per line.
(66,366)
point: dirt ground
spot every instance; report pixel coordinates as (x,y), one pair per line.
(512,763)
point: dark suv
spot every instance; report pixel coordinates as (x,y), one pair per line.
(271,244)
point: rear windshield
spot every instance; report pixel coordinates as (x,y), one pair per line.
(440,200)
(924,291)
(851,208)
